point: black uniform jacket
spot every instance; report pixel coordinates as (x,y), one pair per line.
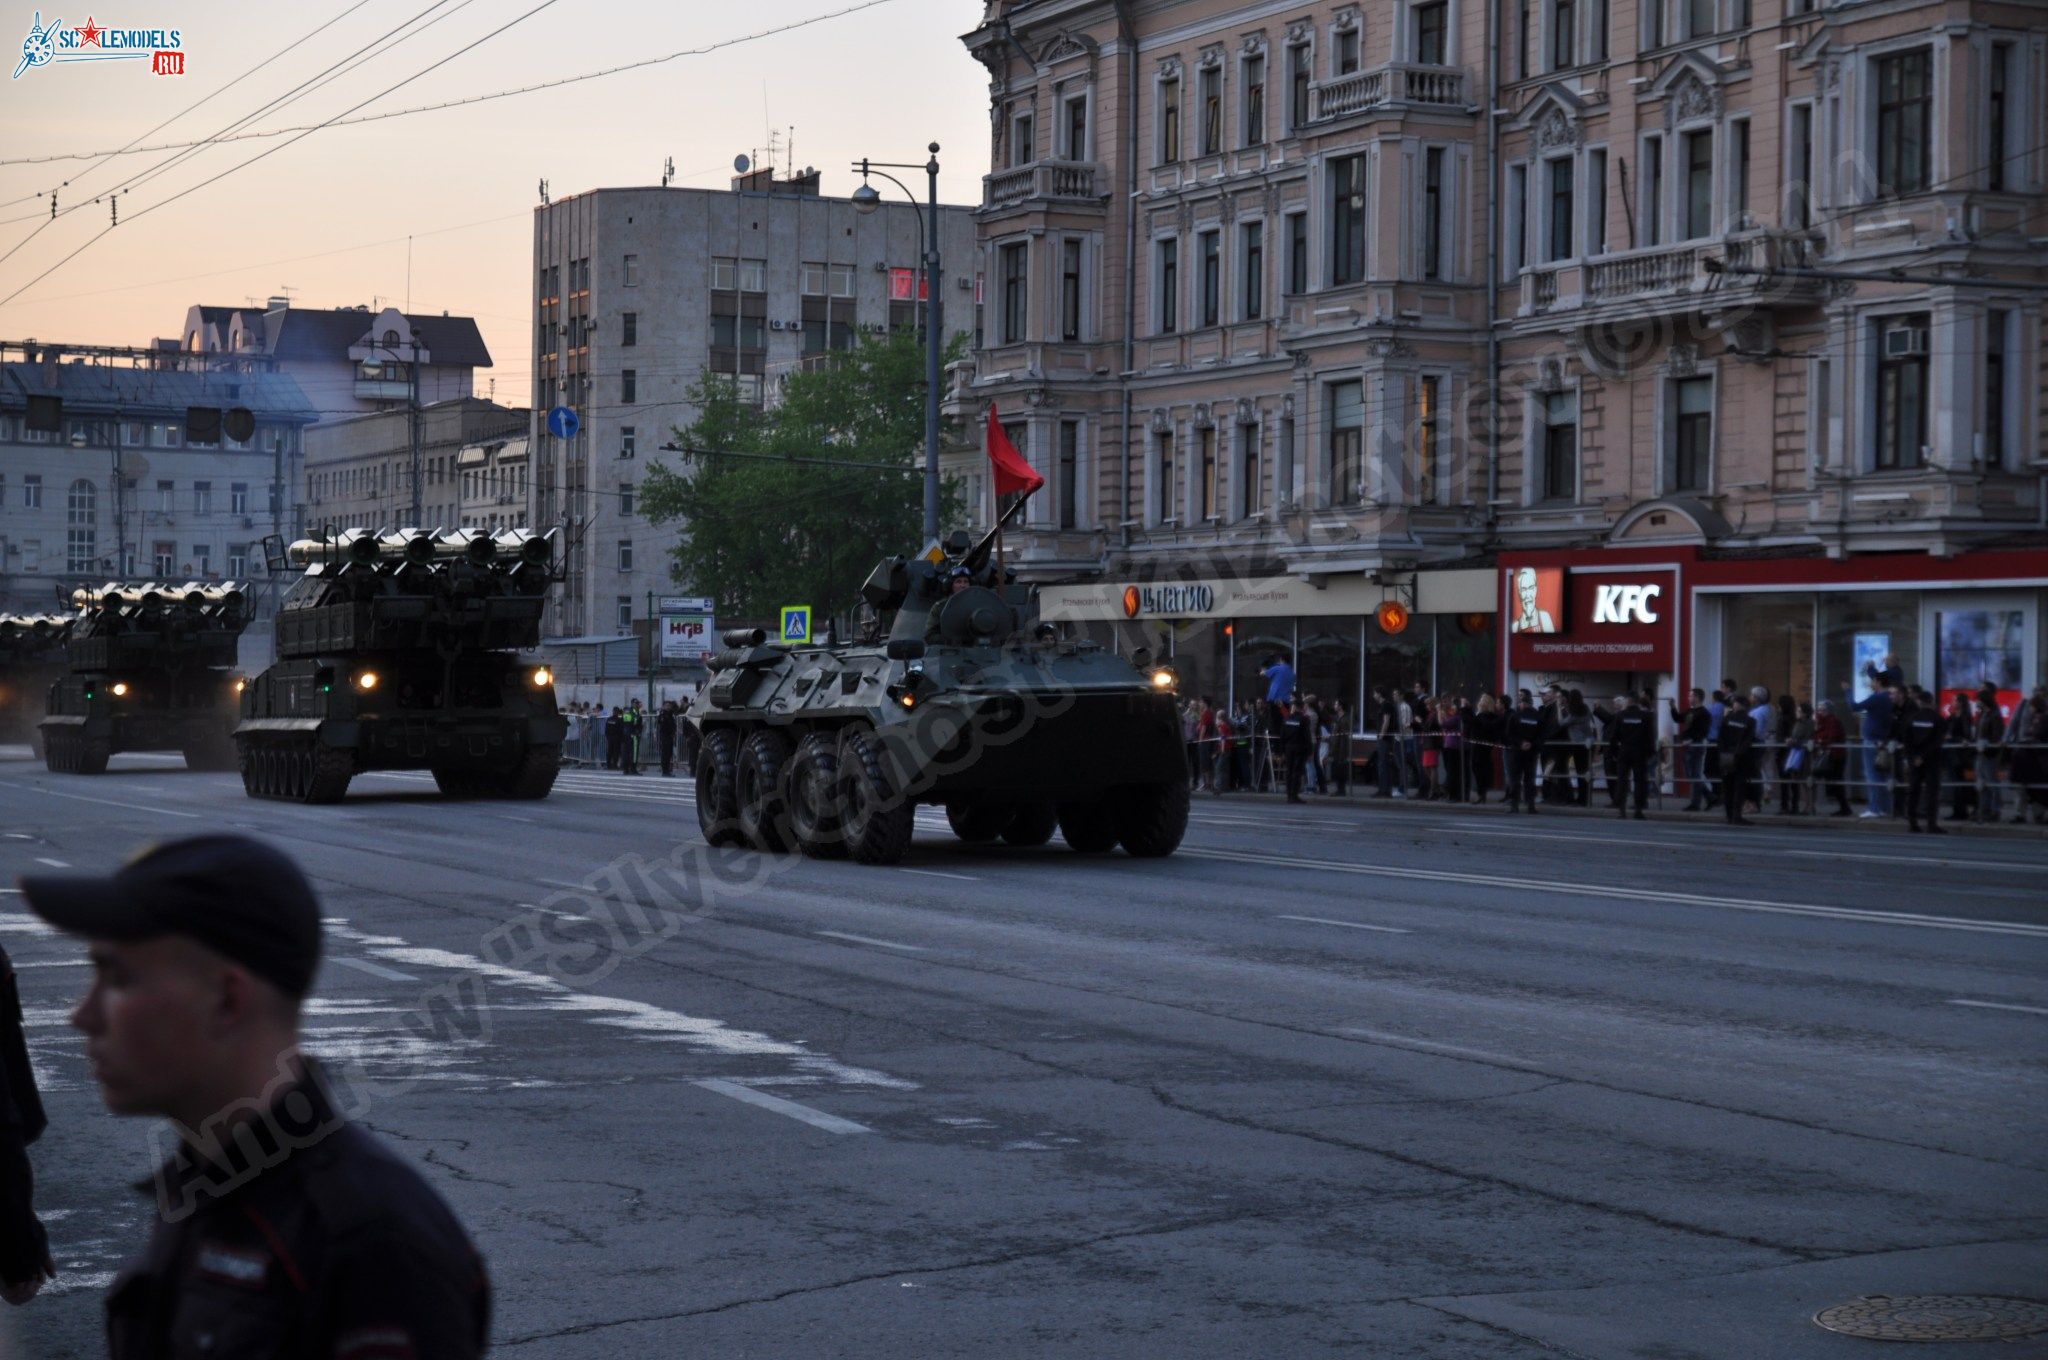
(22,1243)
(1528,725)
(313,1243)
(1919,730)
(1635,734)
(1738,734)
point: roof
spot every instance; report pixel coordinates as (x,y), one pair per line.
(306,333)
(105,389)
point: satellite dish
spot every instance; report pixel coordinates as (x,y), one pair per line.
(741,164)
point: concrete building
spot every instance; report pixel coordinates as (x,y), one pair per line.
(346,359)
(494,481)
(1329,305)
(121,487)
(639,291)
(359,469)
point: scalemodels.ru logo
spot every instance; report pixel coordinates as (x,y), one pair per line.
(163,48)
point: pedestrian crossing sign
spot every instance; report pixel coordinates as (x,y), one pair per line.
(796,623)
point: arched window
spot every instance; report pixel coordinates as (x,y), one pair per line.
(391,337)
(81,534)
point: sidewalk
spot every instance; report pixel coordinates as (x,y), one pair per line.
(1600,811)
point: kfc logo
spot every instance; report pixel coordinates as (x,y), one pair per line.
(1625,604)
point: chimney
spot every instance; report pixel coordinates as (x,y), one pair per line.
(278,304)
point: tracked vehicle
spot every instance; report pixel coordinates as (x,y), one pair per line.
(32,650)
(956,700)
(396,651)
(148,667)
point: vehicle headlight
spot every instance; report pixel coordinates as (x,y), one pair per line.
(366,680)
(241,685)
(1164,678)
(543,677)
(120,689)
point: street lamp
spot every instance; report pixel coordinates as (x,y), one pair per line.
(865,200)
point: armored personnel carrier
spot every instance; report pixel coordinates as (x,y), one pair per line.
(31,658)
(957,700)
(148,668)
(395,651)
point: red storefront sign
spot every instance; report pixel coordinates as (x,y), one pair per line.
(1576,619)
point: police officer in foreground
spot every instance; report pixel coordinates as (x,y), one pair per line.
(665,736)
(24,1249)
(1528,729)
(1296,744)
(1918,730)
(282,1229)
(1737,744)
(1635,750)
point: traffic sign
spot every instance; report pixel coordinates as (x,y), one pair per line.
(562,423)
(796,623)
(684,604)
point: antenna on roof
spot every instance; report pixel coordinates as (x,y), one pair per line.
(544,193)
(668,170)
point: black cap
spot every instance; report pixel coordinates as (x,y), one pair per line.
(236,896)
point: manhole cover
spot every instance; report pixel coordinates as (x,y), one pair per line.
(1935,1317)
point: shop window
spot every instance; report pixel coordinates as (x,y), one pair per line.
(1973,647)
(1863,628)
(1768,641)
(1347,442)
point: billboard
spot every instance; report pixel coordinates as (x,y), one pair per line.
(1535,599)
(1606,619)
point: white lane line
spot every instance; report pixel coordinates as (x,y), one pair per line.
(803,1114)
(1917,859)
(869,939)
(508,817)
(1889,918)
(1455,829)
(53,863)
(376,970)
(1380,1036)
(2000,1006)
(936,873)
(1348,925)
(104,802)
(10,890)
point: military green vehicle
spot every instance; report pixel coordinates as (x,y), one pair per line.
(396,651)
(148,667)
(957,699)
(31,658)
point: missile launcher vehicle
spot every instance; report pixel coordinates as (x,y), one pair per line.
(397,651)
(31,658)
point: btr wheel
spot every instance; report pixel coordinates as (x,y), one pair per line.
(1033,824)
(1087,827)
(758,791)
(718,814)
(1151,818)
(979,821)
(810,786)
(878,819)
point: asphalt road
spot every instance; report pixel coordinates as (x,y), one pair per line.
(1335,1079)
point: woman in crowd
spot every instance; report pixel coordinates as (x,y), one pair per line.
(1337,777)
(1482,736)
(1429,746)
(1450,724)
(1959,757)
(1795,765)
(2026,738)
(1830,755)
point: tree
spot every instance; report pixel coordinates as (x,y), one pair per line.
(757,534)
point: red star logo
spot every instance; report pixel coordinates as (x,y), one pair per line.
(89,36)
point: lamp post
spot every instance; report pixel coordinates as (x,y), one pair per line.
(865,200)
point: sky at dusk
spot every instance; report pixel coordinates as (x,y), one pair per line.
(327,216)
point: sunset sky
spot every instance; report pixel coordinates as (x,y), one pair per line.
(327,217)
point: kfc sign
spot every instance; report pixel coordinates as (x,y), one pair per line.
(1573,619)
(1625,604)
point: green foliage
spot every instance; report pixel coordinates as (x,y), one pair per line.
(759,535)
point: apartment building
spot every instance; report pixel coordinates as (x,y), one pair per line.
(359,469)
(639,291)
(1730,309)
(346,359)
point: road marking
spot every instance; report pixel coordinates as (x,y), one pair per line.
(104,802)
(1348,925)
(803,1114)
(2000,1006)
(935,873)
(1455,829)
(506,816)
(9,890)
(1890,918)
(867,939)
(1380,1036)
(1916,859)
(53,863)
(374,969)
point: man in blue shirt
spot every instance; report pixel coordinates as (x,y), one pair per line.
(1279,678)
(1717,709)
(1878,710)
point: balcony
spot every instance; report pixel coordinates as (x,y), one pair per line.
(1733,272)
(1396,86)
(1042,181)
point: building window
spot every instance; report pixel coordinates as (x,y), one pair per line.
(1347,220)
(238,561)
(1560,446)
(629,329)
(625,613)
(1211,245)
(1164,498)
(1432,31)
(1283,463)
(1433,213)
(167,498)
(1169,286)
(200,564)
(1698,203)
(1596,24)
(1699,18)
(32,491)
(238,498)
(1077,148)
(1070,474)
(1251,284)
(1596,202)
(627,441)
(1070,288)
(1559,245)
(1169,121)
(1997,96)
(1211,473)
(1799,184)
(1518,219)
(1023,140)
(1738,186)
(1563,35)
(1428,421)
(1347,51)
(625,498)
(1692,433)
(1653,191)
(1297,252)
(724,273)
(1905,103)
(625,554)
(631,270)
(164,559)
(202,498)
(1013,264)
(1298,67)
(81,514)
(1901,391)
(629,385)
(753,276)
(1525,34)
(1347,441)
(1254,82)
(1212,111)
(1247,470)
(1996,323)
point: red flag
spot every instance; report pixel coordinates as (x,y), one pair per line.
(1012,472)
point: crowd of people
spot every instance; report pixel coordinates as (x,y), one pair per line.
(1736,749)
(624,737)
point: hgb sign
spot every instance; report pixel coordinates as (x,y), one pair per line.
(685,637)
(1625,604)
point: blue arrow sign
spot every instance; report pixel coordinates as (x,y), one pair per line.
(562,423)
